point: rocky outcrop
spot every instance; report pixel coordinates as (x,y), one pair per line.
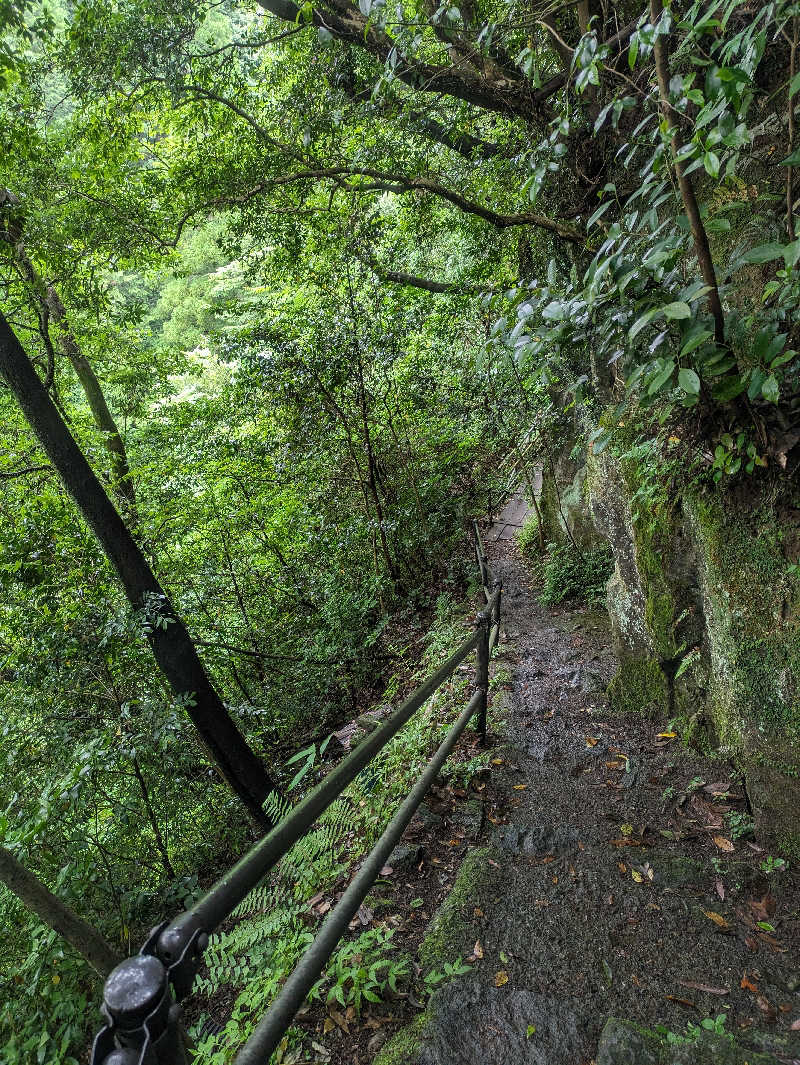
(625,1043)
(705,611)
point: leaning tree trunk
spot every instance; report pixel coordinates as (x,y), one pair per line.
(169,639)
(690,204)
(95,397)
(56,914)
(51,308)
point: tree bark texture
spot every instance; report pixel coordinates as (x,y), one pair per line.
(57,915)
(168,637)
(690,204)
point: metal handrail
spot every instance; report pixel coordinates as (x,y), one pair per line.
(141,995)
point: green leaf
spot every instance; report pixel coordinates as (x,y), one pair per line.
(694,340)
(601,210)
(633,51)
(640,323)
(661,377)
(757,378)
(711,162)
(791,253)
(764,253)
(689,382)
(770,390)
(729,388)
(783,358)
(677,310)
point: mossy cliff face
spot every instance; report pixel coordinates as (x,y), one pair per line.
(563,502)
(751,600)
(705,612)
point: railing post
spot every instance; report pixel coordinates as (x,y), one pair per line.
(143,1018)
(480,555)
(482,673)
(494,620)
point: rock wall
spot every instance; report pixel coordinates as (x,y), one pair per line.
(705,612)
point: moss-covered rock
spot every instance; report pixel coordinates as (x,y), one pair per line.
(625,1043)
(705,613)
(404,1045)
(751,610)
(448,933)
(639,687)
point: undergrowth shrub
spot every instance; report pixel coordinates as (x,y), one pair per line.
(250,958)
(528,539)
(570,573)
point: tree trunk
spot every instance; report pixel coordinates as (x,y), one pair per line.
(168,637)
(57,915)
(50,307)
(161,843)
(690,205)
(95,397)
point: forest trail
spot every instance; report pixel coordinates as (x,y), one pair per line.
(601,892)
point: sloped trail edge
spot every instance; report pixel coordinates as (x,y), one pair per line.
(601,893)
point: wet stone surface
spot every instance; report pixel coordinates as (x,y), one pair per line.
(608,896)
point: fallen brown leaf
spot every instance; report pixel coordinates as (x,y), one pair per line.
(717,918)
(705,987)
(592,741)
(340,1019)
(747,983)
(500,978)
(764,907)
(795,1026)
(683,1002)
(723,844)
(766,1007)
(477,951)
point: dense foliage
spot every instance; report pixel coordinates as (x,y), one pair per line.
(294,275)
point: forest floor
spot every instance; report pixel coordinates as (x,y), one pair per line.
(607,877)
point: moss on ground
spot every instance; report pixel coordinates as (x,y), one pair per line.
(639,687)
(445,936)
(448,935)
(403,1046)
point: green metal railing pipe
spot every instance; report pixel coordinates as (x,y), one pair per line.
(273,1025)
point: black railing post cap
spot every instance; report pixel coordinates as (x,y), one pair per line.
(134,989)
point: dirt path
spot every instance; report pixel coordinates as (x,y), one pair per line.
(602,891)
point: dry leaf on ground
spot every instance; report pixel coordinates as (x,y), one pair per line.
(717,918)
(705,987)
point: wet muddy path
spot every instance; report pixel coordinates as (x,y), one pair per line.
(617,881)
